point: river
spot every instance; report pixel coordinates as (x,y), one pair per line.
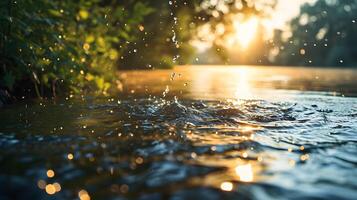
(193,132)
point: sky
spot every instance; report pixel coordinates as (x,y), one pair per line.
(287,9)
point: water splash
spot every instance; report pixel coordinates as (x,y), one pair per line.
(173,30)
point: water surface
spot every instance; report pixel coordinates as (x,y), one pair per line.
(205,132)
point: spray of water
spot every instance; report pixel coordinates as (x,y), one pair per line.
(176,43)
(173,29)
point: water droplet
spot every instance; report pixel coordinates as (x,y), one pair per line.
(50,189)
(50,173)
(226,186)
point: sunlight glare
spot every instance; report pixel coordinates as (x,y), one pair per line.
(245,172)
(226,186)
(243,88)
(245,31)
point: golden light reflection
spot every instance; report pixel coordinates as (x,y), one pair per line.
(83,195)
(304,157)
(50,173)
(70,156)
(57,186)
(243,88)
(238,170)
(245,172)
(50,189)
(247,129)
(139,160)
(226,186)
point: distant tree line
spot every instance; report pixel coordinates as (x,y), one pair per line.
(324,34)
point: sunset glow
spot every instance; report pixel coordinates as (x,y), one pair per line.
(245,31)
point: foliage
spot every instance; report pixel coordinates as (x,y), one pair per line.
(324,34)
(66,44)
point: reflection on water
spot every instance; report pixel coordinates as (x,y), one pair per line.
(242,82)
(243,88)
(245,172)
(227,186)
(250,133)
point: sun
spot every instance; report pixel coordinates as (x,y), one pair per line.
(245,31)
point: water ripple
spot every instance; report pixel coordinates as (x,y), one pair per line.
(179,149)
